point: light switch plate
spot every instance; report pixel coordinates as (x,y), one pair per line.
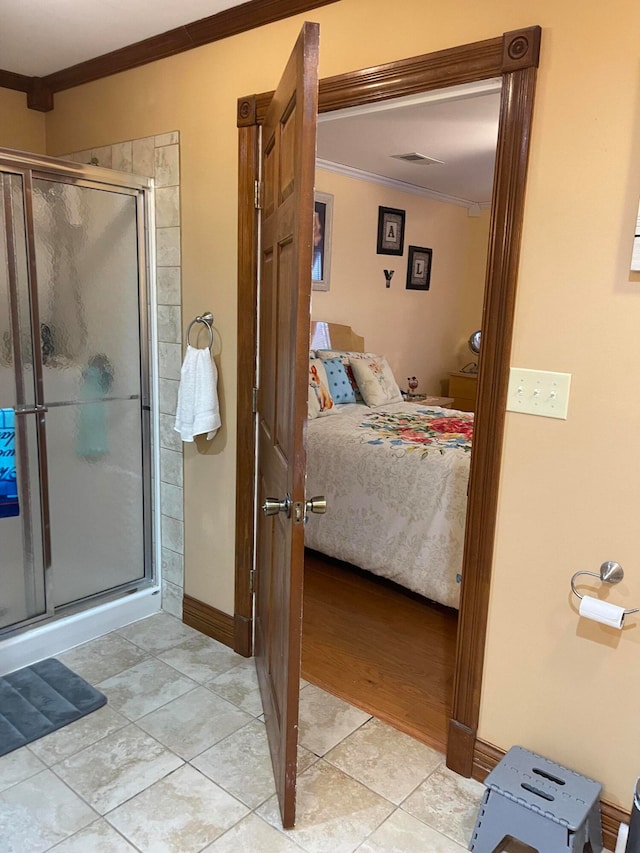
(538,392)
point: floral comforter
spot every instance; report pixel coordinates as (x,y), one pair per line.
(395,480)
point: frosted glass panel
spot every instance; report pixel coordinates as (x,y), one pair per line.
(87,261)
(22,574)
(16,356)
(95,478)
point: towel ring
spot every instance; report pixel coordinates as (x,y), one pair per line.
(610,572)
(207,320)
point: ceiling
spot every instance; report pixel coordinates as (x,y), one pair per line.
(39,37)
(457,127)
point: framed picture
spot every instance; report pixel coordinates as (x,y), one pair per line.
(390,231)
(322,222)
(419,268)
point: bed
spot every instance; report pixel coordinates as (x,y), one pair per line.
(395,478)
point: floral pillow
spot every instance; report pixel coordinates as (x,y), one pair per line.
(340,385)
(320,399)
(376,381)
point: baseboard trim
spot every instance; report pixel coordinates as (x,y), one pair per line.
(242,636)
(208,620)
(485,758)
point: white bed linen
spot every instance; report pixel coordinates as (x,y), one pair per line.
(395,508)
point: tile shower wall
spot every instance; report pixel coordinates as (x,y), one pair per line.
(158,157)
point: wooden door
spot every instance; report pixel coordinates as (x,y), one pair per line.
(286,219)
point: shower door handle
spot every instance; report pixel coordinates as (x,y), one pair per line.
(34,410)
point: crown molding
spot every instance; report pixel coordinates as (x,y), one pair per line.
(230,22)
(17,82)
(393,183)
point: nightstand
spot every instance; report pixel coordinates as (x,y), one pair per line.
(463,387)
(428,400)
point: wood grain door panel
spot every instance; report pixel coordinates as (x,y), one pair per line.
(286,222)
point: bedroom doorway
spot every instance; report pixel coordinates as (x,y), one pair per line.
(514,58)
(391,646)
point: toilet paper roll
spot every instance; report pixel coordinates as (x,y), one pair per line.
(601,611)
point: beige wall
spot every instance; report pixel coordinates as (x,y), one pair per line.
(570,491)
(422,334)
(20,128)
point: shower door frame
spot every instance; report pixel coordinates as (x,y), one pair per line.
(29,167)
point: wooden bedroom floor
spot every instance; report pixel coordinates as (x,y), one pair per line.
(385,651)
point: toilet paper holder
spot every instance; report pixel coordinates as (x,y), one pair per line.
(610,572)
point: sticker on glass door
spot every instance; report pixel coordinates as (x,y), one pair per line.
(9,506)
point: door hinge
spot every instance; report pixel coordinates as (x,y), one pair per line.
(258,192)
(252,581)
(254,400)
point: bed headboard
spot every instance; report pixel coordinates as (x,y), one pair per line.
(335,336)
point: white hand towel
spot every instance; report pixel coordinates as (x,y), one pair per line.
(198,410)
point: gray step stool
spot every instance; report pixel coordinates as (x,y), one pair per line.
(541,803)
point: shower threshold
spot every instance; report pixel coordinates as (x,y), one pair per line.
(54,637)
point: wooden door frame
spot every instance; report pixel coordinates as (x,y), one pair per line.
(514,58)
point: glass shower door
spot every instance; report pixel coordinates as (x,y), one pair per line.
(23,551)
(86,249)
(75,438)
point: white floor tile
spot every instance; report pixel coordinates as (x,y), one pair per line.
(179,814)
(17,766)
(157,633)
(334,812)
(40,812)
(241,764)
(117,768)
(389,762)
(76,736)
(194,722)
(99,837)
(448,803)
(102,658)
(325,720)
(143,688)
(201,658)
(240,686)
(253,835)
(402,833)
(305,758)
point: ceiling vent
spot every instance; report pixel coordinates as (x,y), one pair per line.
(420,159)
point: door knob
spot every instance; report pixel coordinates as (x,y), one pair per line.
(272,506)
(317,504)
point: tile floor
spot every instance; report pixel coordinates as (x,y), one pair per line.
(177,762)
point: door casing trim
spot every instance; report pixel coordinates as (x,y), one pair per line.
(514,58)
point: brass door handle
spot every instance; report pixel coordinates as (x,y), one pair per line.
(317,504)
(272,506)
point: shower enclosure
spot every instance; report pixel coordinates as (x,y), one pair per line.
(75,428)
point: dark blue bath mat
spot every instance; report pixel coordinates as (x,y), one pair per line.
(41,698)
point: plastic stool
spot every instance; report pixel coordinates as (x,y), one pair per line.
(540,803)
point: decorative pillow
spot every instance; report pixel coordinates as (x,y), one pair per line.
(345,356)
(340,386)
(320,400)
(376,381)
